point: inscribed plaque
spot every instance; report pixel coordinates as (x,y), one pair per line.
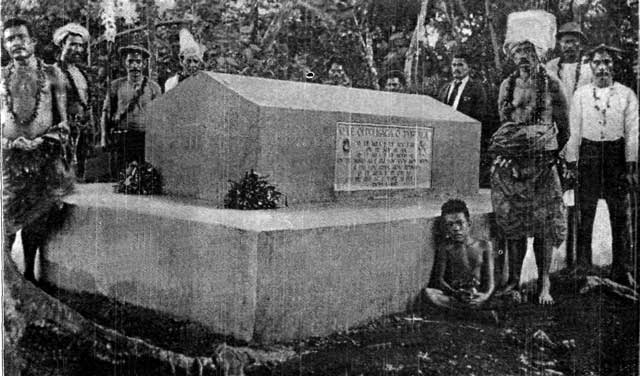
(376,156)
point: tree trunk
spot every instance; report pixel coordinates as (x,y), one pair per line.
(151,38)
(492,33)
(33,318)
(413,53)
(367,47)
(269,36)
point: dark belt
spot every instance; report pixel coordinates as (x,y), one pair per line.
(587,142)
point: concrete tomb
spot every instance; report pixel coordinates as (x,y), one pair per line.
(317,143)
(331,260)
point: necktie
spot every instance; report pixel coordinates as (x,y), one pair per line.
(454,93)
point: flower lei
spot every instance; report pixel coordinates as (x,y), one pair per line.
(9,97)
(542,87)
(74,88)
(578,68)
(603,110)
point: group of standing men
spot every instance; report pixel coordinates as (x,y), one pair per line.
(571,107)
(47,120)
(567,119)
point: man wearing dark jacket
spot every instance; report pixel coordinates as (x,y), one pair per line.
(463,93)
(468,96)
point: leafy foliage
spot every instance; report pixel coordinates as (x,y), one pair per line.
(253,192)
(290,39)
(141,179)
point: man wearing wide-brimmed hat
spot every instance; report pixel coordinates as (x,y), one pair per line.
(525,187)
(72,39)
(573,71)
(191,54)
(123,110)
(603,152)
(570,67)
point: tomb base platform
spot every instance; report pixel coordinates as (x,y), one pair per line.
(264,276)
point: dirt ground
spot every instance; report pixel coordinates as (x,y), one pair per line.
(582,334)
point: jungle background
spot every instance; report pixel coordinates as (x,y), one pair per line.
(290,39)
(295,39)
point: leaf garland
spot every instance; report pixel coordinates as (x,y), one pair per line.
(41,82)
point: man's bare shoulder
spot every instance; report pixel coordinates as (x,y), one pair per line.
(481,246)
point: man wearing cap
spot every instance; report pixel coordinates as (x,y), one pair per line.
(123,110)
(72,38)
(191,54)
(572,71)
(525,187)
(35,174)
(603,152)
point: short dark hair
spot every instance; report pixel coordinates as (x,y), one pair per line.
(460,54)
(16,22)
(334,60)
(392,74)
(454,206)
(64,40)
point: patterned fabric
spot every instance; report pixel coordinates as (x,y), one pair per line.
(531,206)
(527,195)
(34,182)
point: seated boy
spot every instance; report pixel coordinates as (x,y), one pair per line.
(464,265)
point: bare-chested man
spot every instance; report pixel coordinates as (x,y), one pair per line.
(464,265)
(72,38)
(34,133)
(525,187)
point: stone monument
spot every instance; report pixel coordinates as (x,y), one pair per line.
(364,172)
(316,143)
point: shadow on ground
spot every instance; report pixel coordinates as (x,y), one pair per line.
(583,334)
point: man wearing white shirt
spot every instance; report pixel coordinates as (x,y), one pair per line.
(603,152)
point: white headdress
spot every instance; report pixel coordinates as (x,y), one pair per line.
(535,26)
(189,46)
(70,28)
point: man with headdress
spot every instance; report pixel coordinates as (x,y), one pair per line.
(34,134)
(123,110)
(72,38)
(525,187)
(603,152)
(191,54)
(572,71)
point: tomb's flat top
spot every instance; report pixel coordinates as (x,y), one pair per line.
(318,97)
(296,218)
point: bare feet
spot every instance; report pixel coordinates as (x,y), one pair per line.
(545,297)
(507,289)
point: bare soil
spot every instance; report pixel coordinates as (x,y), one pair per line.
(588,334)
